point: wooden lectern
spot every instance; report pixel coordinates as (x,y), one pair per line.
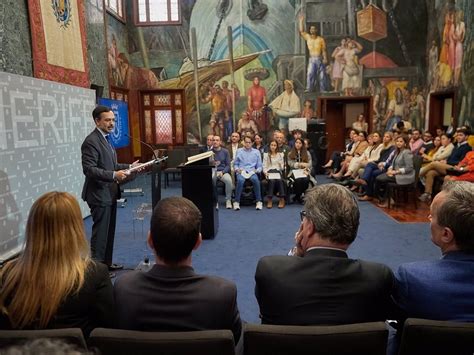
(198,186)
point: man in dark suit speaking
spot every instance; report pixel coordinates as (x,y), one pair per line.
(101,188)
(171,296)
(320,284)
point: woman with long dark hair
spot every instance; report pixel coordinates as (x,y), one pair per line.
(54,283)
(299,162)
(273,166)
(400,170)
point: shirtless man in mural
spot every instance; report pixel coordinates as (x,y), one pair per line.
(318,57)
(257,98)
(218,110)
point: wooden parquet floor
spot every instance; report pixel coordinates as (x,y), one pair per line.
(405,212)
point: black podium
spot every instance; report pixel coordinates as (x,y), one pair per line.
(198,186)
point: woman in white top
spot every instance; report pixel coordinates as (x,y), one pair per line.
(274,163)
(442,153)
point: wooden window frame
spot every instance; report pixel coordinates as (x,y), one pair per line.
(137,22)
(109,10)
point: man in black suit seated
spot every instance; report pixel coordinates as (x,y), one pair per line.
(171,296)
(319,283)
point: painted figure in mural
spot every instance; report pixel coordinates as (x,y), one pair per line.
(351,74)
(286,105)
(416,108)
(451,41)
(459,35)
(228,120)
(395,110)
(380,108)
(256,99)
(114,62)
(444,69)
(316,72)
(432,61)
(246,125)
(338,65)
(218,110)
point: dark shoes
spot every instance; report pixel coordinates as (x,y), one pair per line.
(114,267)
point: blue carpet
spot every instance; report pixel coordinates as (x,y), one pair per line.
(245,236)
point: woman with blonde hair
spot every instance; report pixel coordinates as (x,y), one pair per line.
(54,283)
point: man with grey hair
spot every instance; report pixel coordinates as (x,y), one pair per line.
(443,289)
(320,284)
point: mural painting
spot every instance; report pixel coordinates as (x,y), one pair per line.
(315,49)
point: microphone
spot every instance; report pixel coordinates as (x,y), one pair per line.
(144,143)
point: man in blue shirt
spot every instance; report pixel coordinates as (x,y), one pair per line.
(247,166)
(443,289)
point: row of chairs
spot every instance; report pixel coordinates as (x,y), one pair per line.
(419,336)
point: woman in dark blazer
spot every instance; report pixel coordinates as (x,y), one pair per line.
(54,283)
(400,171)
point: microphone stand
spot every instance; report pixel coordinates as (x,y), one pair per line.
(145,265)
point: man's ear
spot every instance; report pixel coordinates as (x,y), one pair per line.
(198,242)
(448,236)
(149,241)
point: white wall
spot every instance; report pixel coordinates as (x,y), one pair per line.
(42,126)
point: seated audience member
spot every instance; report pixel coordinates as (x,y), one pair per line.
(222,163)
(337,157)
(258,144)
(358,149)
(54,283)
(470,138)
(307,111)
(442,152)
(297,133)
(428,144)
(171,296)
(273,163)
(464,170)
(246,124)
(443,289)
(399,171)
(247,166)
(299,160)
(416,142)
(360,124)
(428,157)
(371,154)
(438,168)
(320,284)
(440,131)
(373,169)
(281,140)
(234,145)
(209,143)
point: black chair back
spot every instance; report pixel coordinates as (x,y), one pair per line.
(423,336)
(206,342)
(363,338)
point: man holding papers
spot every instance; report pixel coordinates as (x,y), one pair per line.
(101,187)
